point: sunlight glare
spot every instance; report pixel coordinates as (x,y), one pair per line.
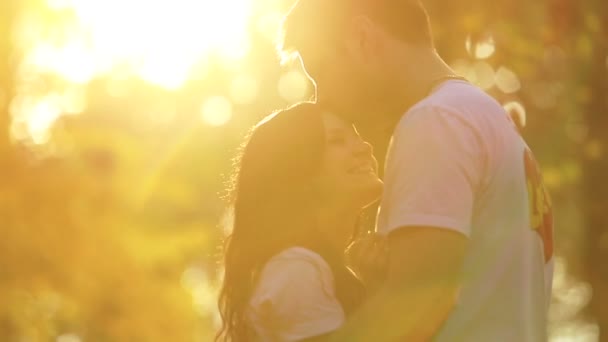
(157,70)
(193,277)
(73,61)
(160,40)
(32,118)
(216,111)
(244,89)
(202,289)
(41,118)
(59,4)
(74,100)
(163,114)
(3,98)
(570,298)
(293,86)
(268,25)
(117,86)
(235,51)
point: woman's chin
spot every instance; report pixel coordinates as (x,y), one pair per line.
(370,193)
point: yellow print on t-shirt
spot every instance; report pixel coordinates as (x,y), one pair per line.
(539,201)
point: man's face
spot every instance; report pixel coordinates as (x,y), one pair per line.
(342,84)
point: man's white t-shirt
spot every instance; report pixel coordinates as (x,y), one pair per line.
(456,161)
(294,298)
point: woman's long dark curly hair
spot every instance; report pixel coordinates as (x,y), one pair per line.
(273,205)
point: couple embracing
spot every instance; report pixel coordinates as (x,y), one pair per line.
(463,245)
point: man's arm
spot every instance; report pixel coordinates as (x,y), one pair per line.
(420,290)
(435,165)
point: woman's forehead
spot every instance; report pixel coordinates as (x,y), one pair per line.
(333,121)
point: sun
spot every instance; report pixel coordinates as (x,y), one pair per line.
(161,41)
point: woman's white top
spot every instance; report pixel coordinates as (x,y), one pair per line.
(294,298)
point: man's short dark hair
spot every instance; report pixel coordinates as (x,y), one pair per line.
(315,20)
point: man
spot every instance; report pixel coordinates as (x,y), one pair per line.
(465,210)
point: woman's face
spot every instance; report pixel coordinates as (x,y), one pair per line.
(349,171)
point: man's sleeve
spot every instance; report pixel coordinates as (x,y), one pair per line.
(434,169)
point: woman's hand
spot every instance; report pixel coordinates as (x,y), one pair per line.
(368,258)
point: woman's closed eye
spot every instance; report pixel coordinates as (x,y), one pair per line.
(337,136)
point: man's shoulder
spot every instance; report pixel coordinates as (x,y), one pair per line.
(455,100)
(460,97)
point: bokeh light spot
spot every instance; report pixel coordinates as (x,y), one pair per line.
(203,291)
(33,118)
(461,67)
(552,177)
(570,297)
(481,49)
(244,89)
(293,86)
(216,111)
(593,22)
(577,131)
(482,74)
(68,338)
(193,277)
(584,46)
(572,171)
(507,81)
(546,94)
(594,150)
(556,59)
(517,111)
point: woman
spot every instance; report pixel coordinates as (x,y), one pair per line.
(302,180)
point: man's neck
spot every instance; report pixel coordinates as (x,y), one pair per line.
(415,83)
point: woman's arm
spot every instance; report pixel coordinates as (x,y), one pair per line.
(295,301)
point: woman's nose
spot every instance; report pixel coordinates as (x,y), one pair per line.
(364,148)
